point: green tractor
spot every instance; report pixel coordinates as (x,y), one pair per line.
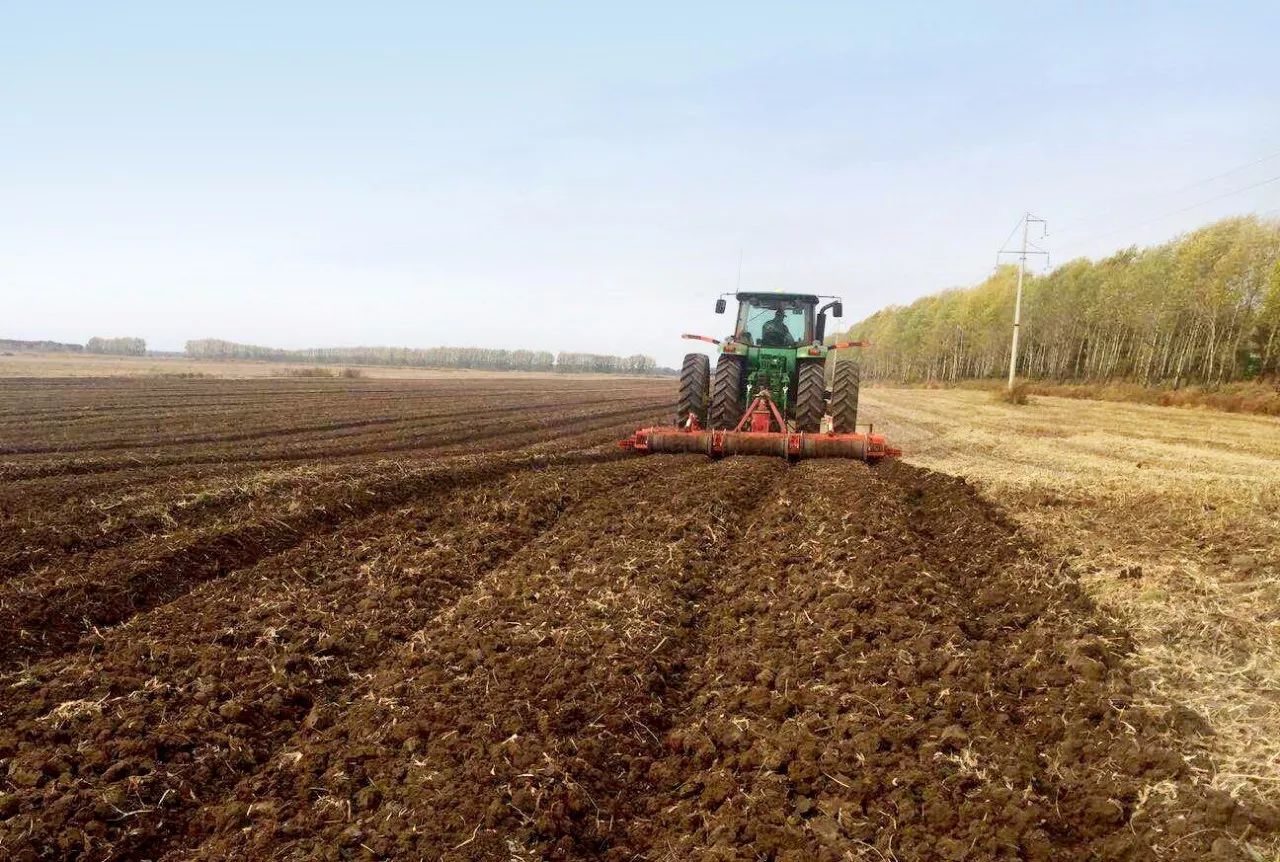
(777,345)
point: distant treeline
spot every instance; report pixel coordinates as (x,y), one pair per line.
(114,346)
(1202,308)
(18,345)
(432,357)
(117,346)
(605,364)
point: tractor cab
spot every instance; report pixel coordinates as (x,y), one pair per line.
(774,321)
(779,320)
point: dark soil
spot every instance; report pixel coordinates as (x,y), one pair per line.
(522,644)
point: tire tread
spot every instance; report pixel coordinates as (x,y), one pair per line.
(810,397)
(844,396)
(695,374)
(726,392)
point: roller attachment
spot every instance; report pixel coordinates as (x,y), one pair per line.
(762,431)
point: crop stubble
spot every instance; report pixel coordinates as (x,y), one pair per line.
(1172,516)
(530,646)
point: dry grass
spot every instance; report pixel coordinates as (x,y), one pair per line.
(1016,394)
(1173,518)
(313,371)
(1262,397)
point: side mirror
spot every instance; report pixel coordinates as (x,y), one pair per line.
(719,306)
(837,309)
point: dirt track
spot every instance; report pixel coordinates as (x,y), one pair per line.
(442,620)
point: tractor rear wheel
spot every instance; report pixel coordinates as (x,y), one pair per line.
(844,396)
(694,376)
(726,392)
(811,399)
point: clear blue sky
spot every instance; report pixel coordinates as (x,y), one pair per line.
(570,176)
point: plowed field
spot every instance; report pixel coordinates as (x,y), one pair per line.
(451,620)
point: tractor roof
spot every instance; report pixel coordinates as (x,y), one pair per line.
(803,297)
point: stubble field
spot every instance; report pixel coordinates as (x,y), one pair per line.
(449,619)
(1172,518)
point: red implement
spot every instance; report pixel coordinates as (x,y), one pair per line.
(761,431)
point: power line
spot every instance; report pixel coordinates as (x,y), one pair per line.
(1172,213)
(1016,225)
(1228,173)
(1070,226)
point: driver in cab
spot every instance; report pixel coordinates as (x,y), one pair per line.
(775,332)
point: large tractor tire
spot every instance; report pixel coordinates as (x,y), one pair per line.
(811,400)
(844,396)
(726,392)
(695,375)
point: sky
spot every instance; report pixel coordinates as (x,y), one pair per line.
(575,176)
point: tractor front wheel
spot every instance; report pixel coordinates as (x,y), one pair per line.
(726,392)
(844,396)
(694,375)
(810,397)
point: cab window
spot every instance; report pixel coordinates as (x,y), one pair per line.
(760,323)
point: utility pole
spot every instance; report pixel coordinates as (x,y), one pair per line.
(1027,248)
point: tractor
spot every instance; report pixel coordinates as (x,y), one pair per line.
(768,393)
(777,345)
